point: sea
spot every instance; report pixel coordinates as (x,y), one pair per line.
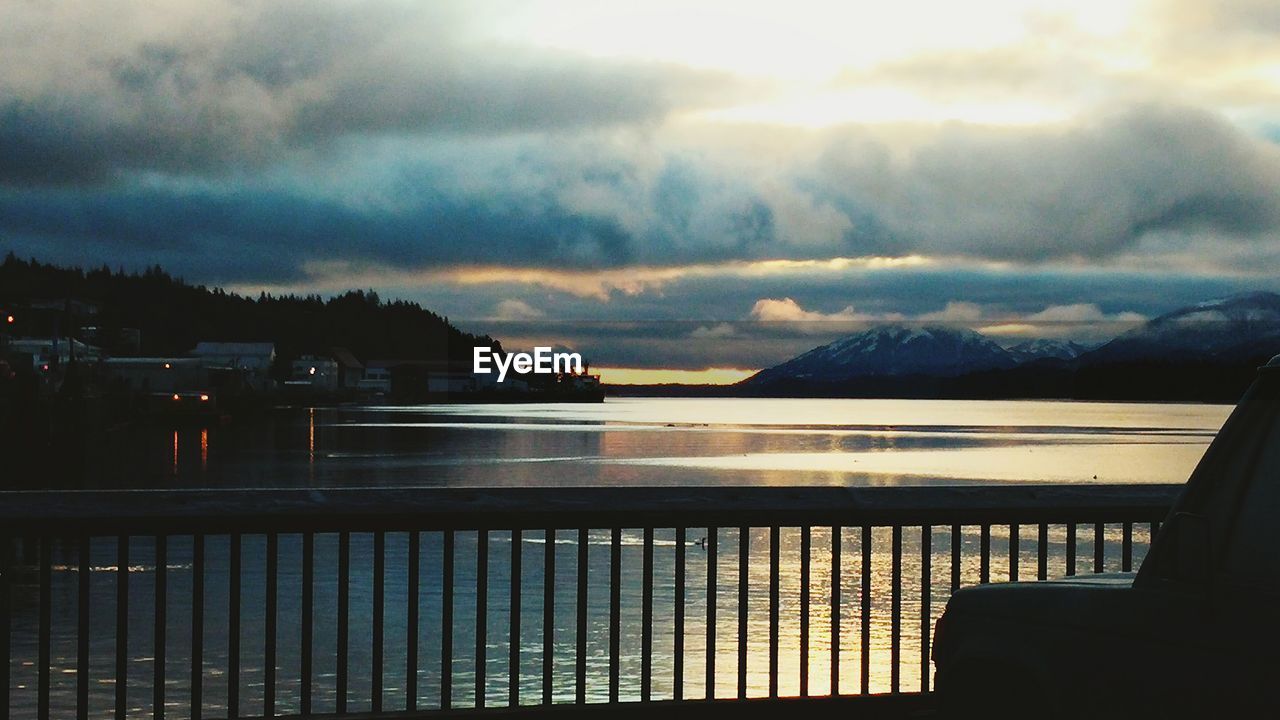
(669,441)
(625,441)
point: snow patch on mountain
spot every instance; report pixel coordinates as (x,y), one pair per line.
(1206,331)
(893,350)
(1046,350)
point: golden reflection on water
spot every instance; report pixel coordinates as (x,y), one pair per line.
(788,442)
(722,442)
(1114,460)
(916,623)
(1008,415)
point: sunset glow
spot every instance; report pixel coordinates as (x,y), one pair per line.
(658,376)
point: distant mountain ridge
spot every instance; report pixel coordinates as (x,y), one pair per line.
(893,350)
(1228,329)
(1045,349)
(1207,351)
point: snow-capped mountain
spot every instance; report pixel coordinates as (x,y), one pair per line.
(1046,350)
(892,350)
(1226,329)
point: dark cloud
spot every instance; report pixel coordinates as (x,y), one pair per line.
(271,236)
(1155,182)
(1088,191)
(1098,191)
(541,159)
(90,91)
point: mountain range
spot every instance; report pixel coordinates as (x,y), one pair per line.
(1205,351)
(1224,330)
(894,350)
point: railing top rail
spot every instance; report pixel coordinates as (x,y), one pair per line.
(369,509)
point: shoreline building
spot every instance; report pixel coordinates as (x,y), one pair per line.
(253,360)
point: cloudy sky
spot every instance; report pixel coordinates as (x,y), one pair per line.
(681,185)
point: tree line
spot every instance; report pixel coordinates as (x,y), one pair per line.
(174,315)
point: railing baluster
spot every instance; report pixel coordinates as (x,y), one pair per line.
(159,642)
(744,590)
(1015,542)
(7,546)
(984,555)
(446,620)
(379,608)
(1126,547)
(269,628)
(122,628)
(48,700)
(581,638)
(677,664)
(713,537)
(957,544)
(82,632)
(308,617)
(197,626)
(513,645)
(412,597)
(865,649)
(926,592)
(775,560)
(646,618)
(548,614)
(233,626)
(1071,548)
(1042,552)
(482,615)
(837,534)
(1099,547)
(344,611)
(895,618)
(615,611)
(46,622)
(806,541)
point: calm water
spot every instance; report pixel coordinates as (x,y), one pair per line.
(674,442)
(625,441)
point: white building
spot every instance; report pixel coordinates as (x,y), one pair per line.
(252,359)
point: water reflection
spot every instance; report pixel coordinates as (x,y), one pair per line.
(666,442)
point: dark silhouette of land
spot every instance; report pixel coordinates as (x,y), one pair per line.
(172,315)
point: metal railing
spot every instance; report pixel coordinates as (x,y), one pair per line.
(560,596)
